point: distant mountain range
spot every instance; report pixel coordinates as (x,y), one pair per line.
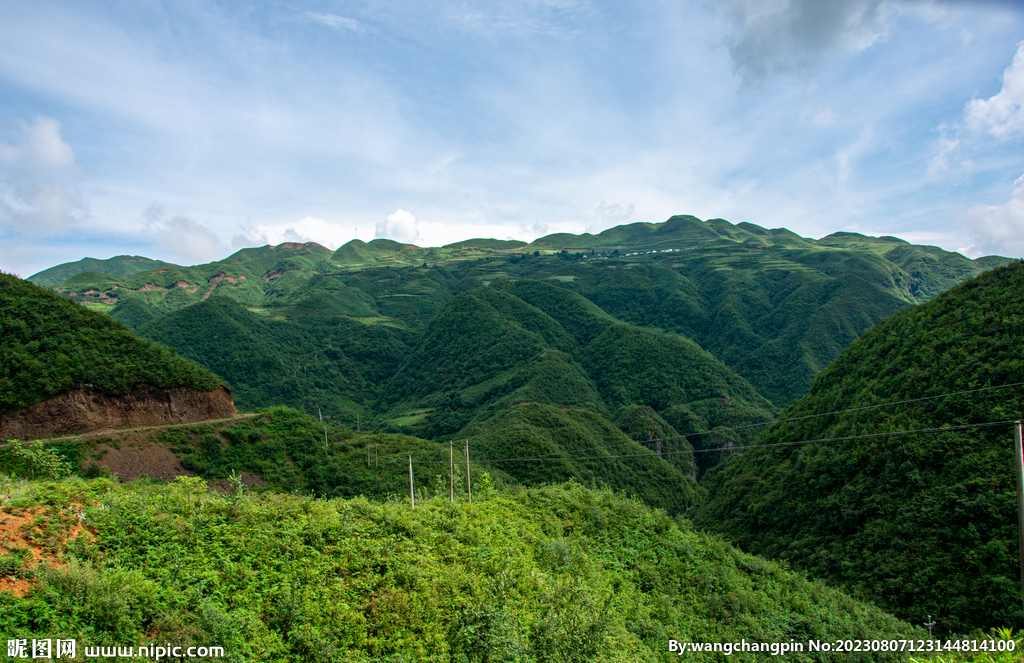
(772,306)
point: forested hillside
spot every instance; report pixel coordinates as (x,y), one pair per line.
(50,345)
(910,505)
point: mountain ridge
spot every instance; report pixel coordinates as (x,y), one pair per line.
(919,523)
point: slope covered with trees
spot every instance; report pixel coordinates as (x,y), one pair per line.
(489,349)
(920,522)
(49,345)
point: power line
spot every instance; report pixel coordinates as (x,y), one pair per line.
(944,429)
(871,407)
(777,421)
(652,454)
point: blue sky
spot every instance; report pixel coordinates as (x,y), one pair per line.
(186,130)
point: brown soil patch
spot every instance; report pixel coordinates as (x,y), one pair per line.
(301,245)
(127,433)
(249,480)
(21,531)
(141,457)
(138,452)
(217,279)
(83,410)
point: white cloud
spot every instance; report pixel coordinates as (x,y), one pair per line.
(184,240)
(309,229)
(784,36)
(532,232)
(400,226)
(335,21)
(1002,115)
(996,229)
(38,192)
(249,237)
(939,164)
(189,241)
(826,118)
(610,215)
(848,155)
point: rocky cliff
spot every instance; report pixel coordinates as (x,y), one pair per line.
(83,410)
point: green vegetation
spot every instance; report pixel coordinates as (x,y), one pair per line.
(774,307)
(540,444)
(49,345)
(292,451)
(923,523)
(578,357)
(33,461)
(117,266)
(332,363)
(489,350)
(560,573)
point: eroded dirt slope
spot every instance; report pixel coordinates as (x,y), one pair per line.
(83,410)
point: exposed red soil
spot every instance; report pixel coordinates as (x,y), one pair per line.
(17,528)
(300,245)
(217,279)
(83,410)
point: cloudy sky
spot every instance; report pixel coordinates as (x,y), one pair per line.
(186,130)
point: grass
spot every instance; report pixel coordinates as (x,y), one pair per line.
(412,417)
(100,308)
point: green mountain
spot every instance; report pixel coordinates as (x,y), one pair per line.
(49,345)
(561,573)
(331,363)
(489,349)
(117,266)
(249,276)
(328,342)
(535,444)
(910,505)
(771,305)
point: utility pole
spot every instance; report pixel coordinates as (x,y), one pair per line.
(469,484)
(412,495)
(324,425)
(451,471)
(1018,448)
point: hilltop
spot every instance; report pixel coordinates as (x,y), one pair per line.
(921,523)
(51,346)
(116,266)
